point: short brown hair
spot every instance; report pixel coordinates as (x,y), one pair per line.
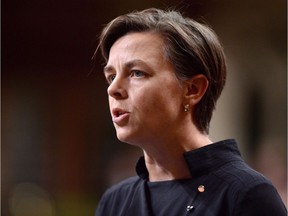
(193,48)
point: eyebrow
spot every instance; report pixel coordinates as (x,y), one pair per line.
(129,64)
(107,69)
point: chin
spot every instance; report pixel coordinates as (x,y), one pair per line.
(133,136)
(125,138)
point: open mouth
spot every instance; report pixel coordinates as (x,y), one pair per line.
(118,112)
(120,116)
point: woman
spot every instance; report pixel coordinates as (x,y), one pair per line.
(165,74)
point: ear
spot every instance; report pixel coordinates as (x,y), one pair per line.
(196,88)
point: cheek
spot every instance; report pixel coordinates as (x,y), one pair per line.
(149,98)
(158,102)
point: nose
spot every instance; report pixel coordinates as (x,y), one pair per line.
(117,89)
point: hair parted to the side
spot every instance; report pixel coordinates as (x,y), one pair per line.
(193,48)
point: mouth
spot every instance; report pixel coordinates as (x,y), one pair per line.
(120,117)
(118,112)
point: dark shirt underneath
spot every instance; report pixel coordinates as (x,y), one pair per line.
(231,188)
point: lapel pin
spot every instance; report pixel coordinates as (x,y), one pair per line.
(201,188)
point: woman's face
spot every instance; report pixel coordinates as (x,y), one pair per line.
(145,97)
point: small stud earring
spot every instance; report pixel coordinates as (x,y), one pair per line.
(186,107)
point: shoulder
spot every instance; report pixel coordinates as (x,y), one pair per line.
(240,175)
(122,187)
(117,196)
(262,199)
(240,178)
(251,192)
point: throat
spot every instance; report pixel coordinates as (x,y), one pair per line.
(171,168)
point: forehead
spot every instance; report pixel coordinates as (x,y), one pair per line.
(143,45)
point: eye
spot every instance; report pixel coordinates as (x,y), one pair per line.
(110,78)
(137,73)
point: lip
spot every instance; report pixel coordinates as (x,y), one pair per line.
(120,116)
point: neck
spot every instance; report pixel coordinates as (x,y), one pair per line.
(165,161)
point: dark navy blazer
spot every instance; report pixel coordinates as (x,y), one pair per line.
(231,188)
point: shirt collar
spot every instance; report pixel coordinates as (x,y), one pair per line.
(203,160)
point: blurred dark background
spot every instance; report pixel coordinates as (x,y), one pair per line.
(59,150)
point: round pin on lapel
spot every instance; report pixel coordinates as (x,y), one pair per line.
(201,188)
